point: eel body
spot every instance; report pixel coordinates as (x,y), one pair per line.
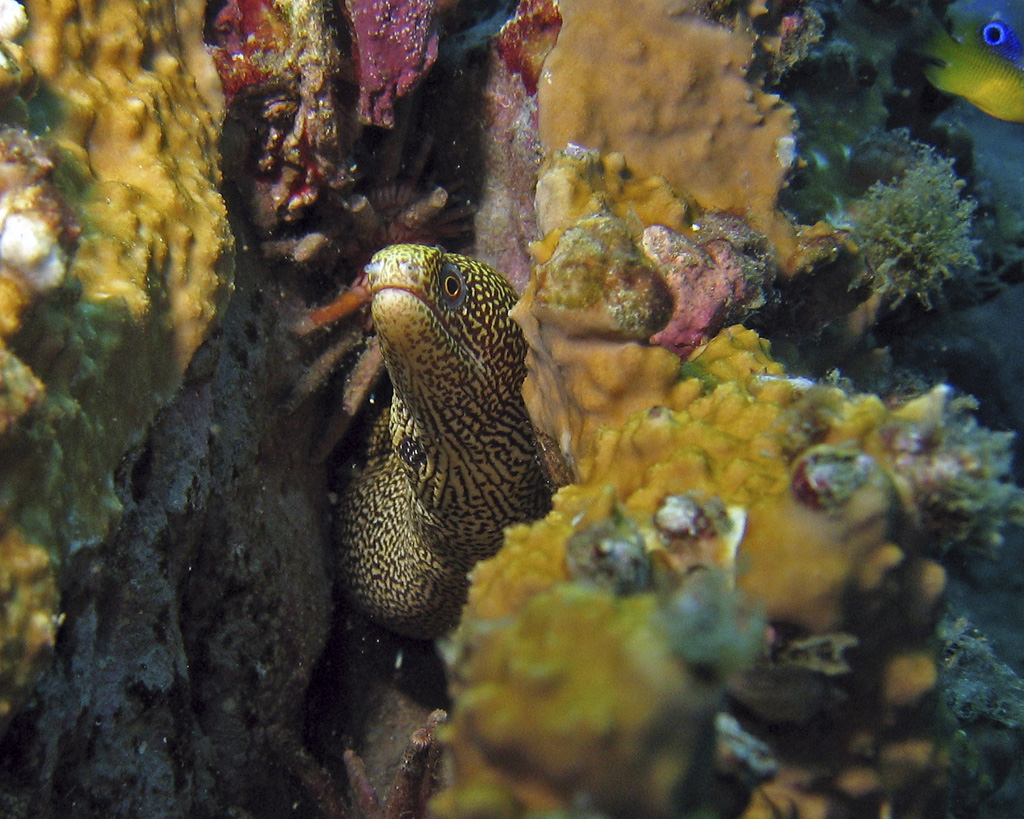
(457,462)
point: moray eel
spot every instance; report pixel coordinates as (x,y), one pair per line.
(983,61)
(457,462)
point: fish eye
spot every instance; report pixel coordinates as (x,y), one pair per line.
(1001,38)
(453,285)
(994,33)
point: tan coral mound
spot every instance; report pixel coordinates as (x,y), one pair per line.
(799,492)
(114,233)
(147,268)
(28,619)
(544,720)
(131,112)
(744,440)
(667,88)
(575,183)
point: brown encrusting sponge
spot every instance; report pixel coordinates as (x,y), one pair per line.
(665,86)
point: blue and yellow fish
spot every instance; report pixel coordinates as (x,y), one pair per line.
(983,60)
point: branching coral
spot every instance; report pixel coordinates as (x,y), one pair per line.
(915,230)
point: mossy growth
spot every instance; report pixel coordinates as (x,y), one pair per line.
(915,230)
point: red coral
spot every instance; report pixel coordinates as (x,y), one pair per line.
(525,40)
(394,44)
(826,477)
(713,284)
(285,61)
(247,37)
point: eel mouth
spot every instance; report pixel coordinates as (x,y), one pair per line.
(396,308)
(405,277)
(403,288)
(390,289)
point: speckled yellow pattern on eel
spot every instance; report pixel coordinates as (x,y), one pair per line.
(458,463)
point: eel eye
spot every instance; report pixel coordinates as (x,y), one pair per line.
(453,285)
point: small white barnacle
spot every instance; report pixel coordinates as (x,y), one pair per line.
(13,20)
(30,252)
(37,230)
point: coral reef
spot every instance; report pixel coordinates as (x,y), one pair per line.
(113,231)
(506,223)
(800,494)
(625,258)
(799,28)
(754,560)
(859,94)
(583,383)
(840,92)
(324,191)
(280,65)
(247,45)
(16,73)
(506,217)
(189,634)
(718,279)
(576,182)
(717,268)
(20,389)
(527,38)
(37,229)
(857,87)
(596,264)
(668,88)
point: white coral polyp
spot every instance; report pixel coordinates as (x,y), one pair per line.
(13,20)
(30,253)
